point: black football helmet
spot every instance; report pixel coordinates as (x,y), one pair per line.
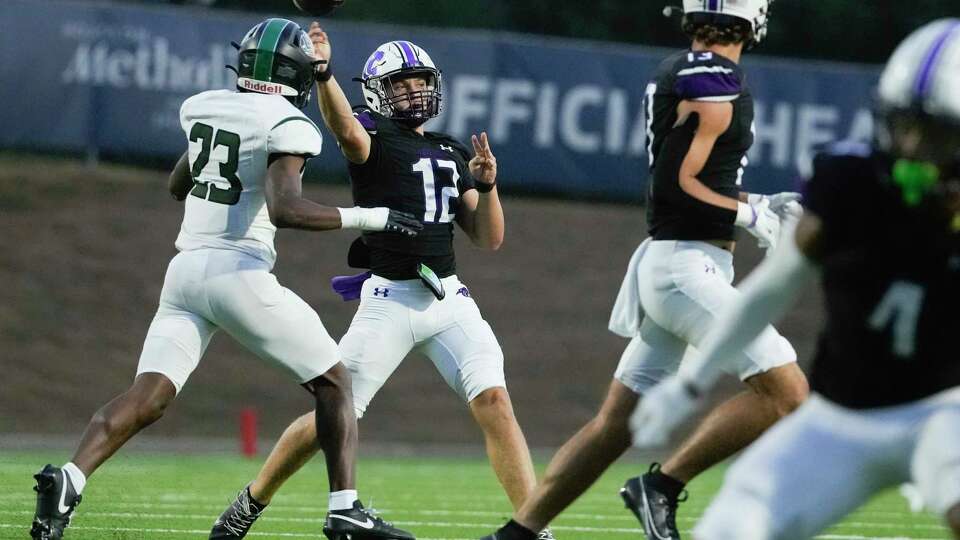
(276,57)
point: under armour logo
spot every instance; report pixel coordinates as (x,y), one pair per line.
(377,291)
(447,148)
(463,291)
(710,269)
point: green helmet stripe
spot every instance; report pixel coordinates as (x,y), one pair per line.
(266,48)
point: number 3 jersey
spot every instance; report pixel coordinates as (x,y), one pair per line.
(423,175)
(891,277)
(232,136)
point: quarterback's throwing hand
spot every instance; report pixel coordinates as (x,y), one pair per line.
(321,45)
(483,166)
(661,410)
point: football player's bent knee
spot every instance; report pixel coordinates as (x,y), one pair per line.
(338,376)
(792,396)
(493,402)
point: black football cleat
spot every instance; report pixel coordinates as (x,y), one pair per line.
(358,523)
(236,520)
(656,509)
(514,531)
(56,501)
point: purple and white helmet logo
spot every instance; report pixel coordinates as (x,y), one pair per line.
(375,61)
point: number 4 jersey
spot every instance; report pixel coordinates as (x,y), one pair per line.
(232,136)
(891,276)
(420,174)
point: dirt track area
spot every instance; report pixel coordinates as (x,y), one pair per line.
(85,254)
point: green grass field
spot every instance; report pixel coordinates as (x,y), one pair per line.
(178,496)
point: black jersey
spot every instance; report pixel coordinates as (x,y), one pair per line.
(420,174)
(672,214)
(891,278)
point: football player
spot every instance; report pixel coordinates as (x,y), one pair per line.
(881,231)
(241,180)
(411,299)
(699,119)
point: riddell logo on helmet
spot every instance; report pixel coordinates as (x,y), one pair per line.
(261,86)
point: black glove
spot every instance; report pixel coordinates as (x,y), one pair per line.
(403,222)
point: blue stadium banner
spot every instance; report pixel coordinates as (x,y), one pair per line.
(564,116)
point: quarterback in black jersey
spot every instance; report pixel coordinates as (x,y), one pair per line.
(411,298)
(881,230)
(699,125)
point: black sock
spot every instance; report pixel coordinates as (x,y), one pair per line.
(666,484)
(257,506)
(515,531)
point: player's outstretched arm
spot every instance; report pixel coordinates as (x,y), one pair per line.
(766,295)
(481,215)
(334,106)
(180,180)
(288,208)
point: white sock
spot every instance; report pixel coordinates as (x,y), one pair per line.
(77,478)
(342,500)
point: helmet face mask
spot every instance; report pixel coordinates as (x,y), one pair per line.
(400,81)
(276,57)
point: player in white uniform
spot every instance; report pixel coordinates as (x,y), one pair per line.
(241,180)
(881,233)
(394,160)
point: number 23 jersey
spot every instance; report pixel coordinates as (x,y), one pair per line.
(232,136)
(423,175)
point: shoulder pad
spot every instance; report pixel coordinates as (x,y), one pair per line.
(705,76)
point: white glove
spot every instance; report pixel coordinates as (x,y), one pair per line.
(779,202)
(760,221)
(661,410)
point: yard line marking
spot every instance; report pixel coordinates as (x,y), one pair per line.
(314,535)
(270,518)
(196,531)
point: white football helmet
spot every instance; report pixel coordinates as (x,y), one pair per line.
(755,12)
(918,109)
(400,60)
(924,72)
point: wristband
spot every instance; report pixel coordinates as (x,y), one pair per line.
(483,187)
(746,215)
(367,219)
(323,76)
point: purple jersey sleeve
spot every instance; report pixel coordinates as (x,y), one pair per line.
(708,81)
(366,120)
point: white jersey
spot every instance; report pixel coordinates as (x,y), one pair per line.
(231,136)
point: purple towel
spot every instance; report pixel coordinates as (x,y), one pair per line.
(349,286)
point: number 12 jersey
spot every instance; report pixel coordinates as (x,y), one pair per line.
(423,175)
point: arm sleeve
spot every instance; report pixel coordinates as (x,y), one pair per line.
(666,179)
(765,297)
(296,135)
